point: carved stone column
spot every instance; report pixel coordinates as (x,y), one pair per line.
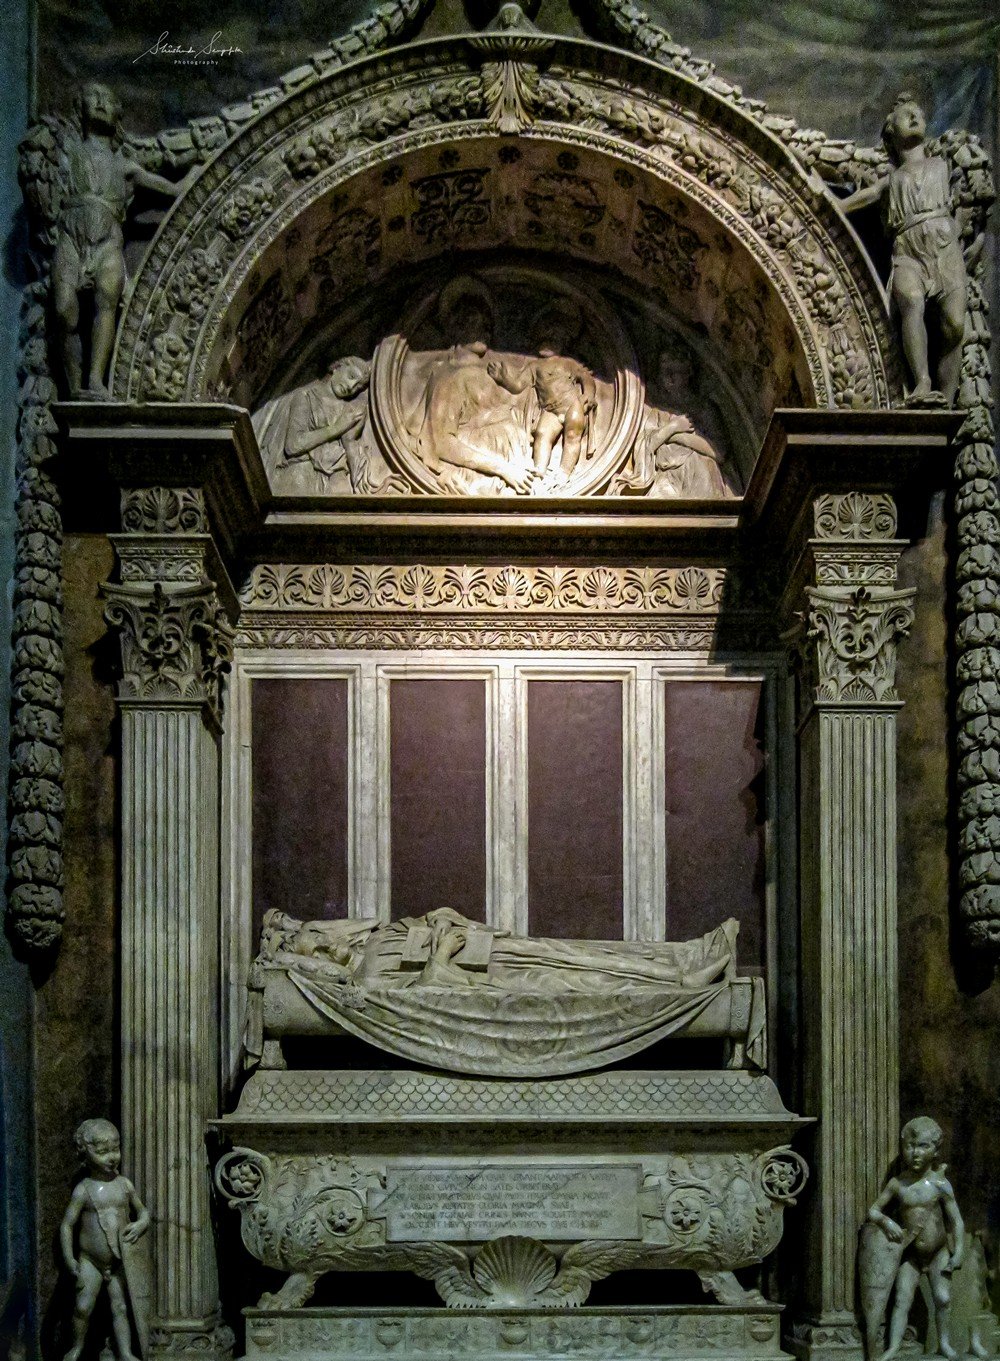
(852,619)
(174,647)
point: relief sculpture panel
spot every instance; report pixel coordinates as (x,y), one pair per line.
(510,381)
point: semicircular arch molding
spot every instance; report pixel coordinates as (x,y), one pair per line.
(400,159)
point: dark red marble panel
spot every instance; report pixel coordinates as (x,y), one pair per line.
(715,810)
(300,783)
(438,798)
(575,809)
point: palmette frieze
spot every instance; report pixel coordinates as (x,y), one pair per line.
(855,515)
(163,510)
(487,590)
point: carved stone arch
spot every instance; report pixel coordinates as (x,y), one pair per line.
(400,157)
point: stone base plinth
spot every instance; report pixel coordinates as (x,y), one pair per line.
(680,1332)
(835,1339)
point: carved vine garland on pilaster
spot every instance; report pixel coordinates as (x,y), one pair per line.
(976,587)
(35,796)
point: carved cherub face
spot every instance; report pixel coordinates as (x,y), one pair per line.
(100,1144)
(920,1144)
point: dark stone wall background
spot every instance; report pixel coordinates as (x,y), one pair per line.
(805,59)
(17,1225)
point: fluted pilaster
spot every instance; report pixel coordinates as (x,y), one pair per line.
(174,646)
(852,619)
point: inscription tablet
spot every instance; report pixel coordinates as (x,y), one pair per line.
(459,1203)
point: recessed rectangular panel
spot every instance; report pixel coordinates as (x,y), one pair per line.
(575,820)
(715,810)
(300,797)
(438,796)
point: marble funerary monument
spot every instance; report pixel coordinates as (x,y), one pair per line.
(508,446)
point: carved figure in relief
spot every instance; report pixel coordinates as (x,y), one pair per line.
(676,460)
(464,428)
(80,180)
(928,265)
(318,433)
(924,1236)
(564,389)
(98,1230)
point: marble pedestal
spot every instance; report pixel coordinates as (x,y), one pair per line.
(680,1332)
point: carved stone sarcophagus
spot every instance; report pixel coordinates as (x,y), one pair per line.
(521,1189)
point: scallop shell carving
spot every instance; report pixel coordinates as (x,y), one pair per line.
(514,1271)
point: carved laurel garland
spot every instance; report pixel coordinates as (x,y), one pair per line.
(976,586)
(35,796)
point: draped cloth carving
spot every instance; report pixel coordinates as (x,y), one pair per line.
(449,993)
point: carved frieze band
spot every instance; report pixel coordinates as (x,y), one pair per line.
(507,589)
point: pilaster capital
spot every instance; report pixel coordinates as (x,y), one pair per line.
(849,613)
(853,631)
(169,606)
(176,641)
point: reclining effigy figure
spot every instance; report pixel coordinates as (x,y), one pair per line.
(444,990)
